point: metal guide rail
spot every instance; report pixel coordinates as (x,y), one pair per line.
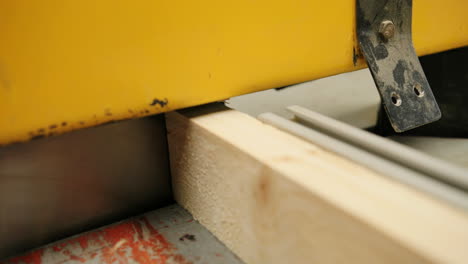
(436,177)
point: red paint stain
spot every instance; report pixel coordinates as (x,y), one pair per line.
(139,229)
(80,259)
(83,241)
(113,234)
(156,242)
(56,248)
(135,240)
(148,225)
(34,257)
(71,256)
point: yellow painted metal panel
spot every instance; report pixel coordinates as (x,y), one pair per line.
(67,64)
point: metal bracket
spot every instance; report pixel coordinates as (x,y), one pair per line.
(384,34)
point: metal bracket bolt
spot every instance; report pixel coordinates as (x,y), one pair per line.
(387,29)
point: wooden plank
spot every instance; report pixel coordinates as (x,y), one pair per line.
(274,198)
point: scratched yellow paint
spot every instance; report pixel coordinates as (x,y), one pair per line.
(78,63)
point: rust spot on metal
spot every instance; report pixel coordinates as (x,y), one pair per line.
(59,127)
(357,55)
(161,103)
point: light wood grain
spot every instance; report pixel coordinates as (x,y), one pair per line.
(274,198)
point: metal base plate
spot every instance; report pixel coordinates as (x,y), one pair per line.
(168,236)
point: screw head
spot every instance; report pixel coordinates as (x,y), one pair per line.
(387,29)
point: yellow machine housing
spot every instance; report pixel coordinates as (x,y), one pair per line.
(72,64)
